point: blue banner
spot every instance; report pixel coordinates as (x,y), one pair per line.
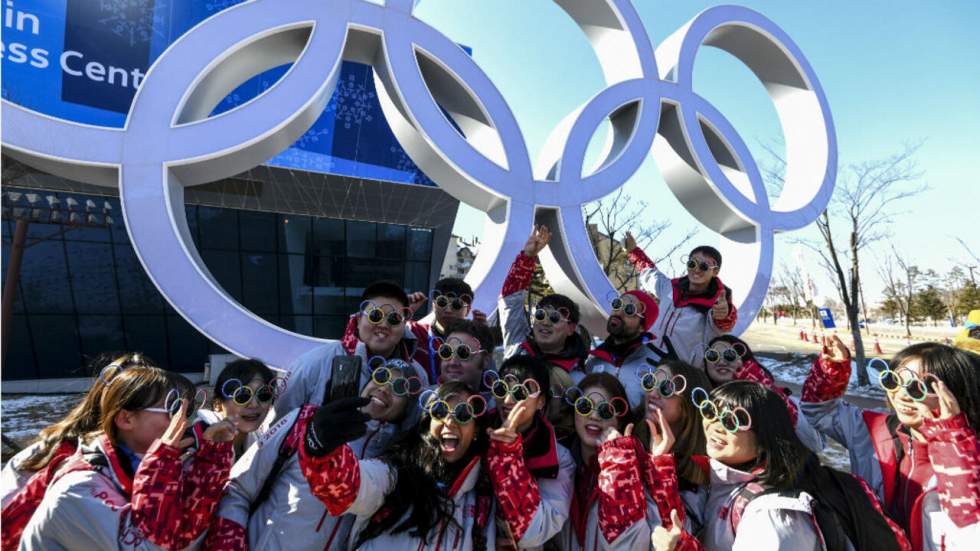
(83,60)
(827,317)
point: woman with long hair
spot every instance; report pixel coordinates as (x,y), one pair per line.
(766,490)
(729,358)
(127,486)
(610,507)
(429,492)
(921,458)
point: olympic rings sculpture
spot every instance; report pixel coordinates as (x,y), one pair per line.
(480,157)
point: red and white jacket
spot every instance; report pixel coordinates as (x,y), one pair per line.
(684,318)
(610,507)
(348,486)
(533,494)
(22,500)
(92,503)
(944,513)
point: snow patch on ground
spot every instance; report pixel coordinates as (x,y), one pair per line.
(798,367)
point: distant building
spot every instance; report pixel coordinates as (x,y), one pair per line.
(459,257)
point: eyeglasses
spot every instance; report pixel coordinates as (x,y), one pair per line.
(174,401)
(463,412)
(585,405)
(628,308)
(915,387)
(732,419)
(462,351)
(661,382)
(447,300)
(400,386)
(378,315)
(551,314)
(242,394)
(700,265)
(509,385)
(730,354)
(110,371)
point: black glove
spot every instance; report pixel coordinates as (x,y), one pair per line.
(338,422)
(669,354)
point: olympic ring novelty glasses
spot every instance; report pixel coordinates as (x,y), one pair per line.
(915,387)
(585,405)
(730,354)
(174,401)
(554,315)
(463,412)
(377,315)
(661,382)
(732,419)
(700,265)
(509,385)
(242,394)
(450,299)
(446,351)
(400,386)
(628,308)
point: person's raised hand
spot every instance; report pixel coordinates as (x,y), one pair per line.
(949,407)
(480,317)
(224,430)
(612,433)
(663,539)
(507,433)
(538,240)
(720,310)
(629,243)
(836,352)
(336,423)
(661,437)
(174,435)
(416,300)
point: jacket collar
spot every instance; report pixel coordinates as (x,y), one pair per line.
(116,471)
(701,301)
(723,475)
(541,448)
(617,354)
(466,480)
(568,359)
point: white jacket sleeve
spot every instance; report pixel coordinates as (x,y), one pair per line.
(12,479)
(513,320)
(556,499)
(844,422)
(767,526)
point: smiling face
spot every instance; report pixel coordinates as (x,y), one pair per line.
(250,414)
(590,428)
(904,405)
(452,437)
(385,406)
(551,336)
(469,371)
(729,448)
(381,339)
(723,370)
(698,278)
(446,315)
(622,327)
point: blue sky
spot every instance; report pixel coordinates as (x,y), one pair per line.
(894,72)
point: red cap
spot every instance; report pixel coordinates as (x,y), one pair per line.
(650,308)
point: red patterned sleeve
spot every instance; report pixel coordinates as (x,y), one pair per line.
(752,371)
(662,480)
(621,499)
(517,492)
(520,274)
(726,323)
(349,340)
(955,456)
(173,508)
(334,478)
(21,507)
(225,535)
(826,381)
(640,260)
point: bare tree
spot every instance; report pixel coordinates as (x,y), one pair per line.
(608,221)
(863,204)
(900,279)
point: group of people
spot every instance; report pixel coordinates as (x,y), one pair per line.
(668,435)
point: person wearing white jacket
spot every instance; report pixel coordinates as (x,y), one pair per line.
(289,516)
(429,492)
(693,308)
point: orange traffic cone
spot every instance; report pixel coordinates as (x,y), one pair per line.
(814,337)
(878,347)
(802,335)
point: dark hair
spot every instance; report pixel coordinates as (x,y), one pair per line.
(244,371)
(386,289)
(420,472)
(478,331)
(690,440)
(86,415)
(781,454)
(454,285)
(748,357)
(958,369)
(525,366)
(709,252)
(561,301)
(613,388)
